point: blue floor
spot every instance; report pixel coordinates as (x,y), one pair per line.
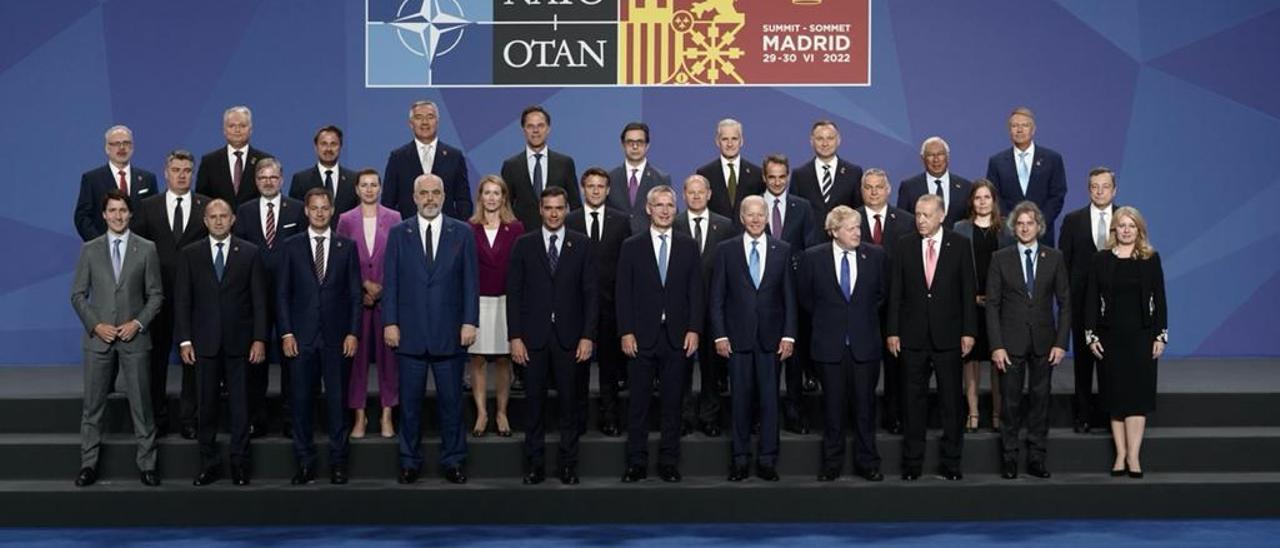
(1099,533)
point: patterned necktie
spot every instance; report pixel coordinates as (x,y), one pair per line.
(1030,269)
(754,263)
(219,262)
(877,232)
(846,278)
(115,258)
(662,259)
(827,181)
(733,182)
(595,226)
(776,224)
(633,185)
(237,173)
(270,229)
(697,232)
(124,184)
(930,264)
(427,160)
(553,255)
(1101,239)
(537,174)
(319,258)
(177,220)
(1024,172)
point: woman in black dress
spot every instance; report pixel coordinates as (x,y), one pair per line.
(1126,325)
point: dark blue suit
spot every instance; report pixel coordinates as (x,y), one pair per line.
(430,303)
(912,189)
(846,346)
(550,312)
(754,319)
(800,230)
(94,185)
(319,314)
(403,166)
(1047,185)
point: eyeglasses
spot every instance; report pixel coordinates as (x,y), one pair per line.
(635,142)
(119,144)
(269,177)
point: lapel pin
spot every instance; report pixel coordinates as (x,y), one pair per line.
(1037,163)
(235,248)
(864,255)
(570,244)
(1043,254)
(253,160)
(444,152)
(842,171)
(339,244)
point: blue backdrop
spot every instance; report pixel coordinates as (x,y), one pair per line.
(1180,97)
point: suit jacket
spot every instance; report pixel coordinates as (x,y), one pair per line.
(1100,294)
(1078,249)
(642,298)
(1024,324)
(213,177)
(718,229)
(932,318)
(617,228)
(290,220)
(799,229)
(346,198)
(1003,239)
(835,317)
(319,313)
(524,202)
(94,185)
(404,165)
(221,317)
(912,189)
(1047,186)
(750,181)
(151,221)
(846,189)
(351,225)
(753,319)
(98,297)
(432,302)
(495,259)
(618,197)
(545,307)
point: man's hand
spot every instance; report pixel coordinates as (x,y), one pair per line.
(257,352)
(519,353)
(1157,349)
(1000,359)
(349,345)
(127,330)
(468,335)
(785,349)
(105,332)
(290,346)
(391,336)
(723,348)
(690,344)
(188,354)
(895,345)
(966,344)
(629,345)
(1056,354)
(1096,348)
(584,350)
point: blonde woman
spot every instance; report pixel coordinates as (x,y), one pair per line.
(495,229)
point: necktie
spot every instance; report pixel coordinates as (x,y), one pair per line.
(553,256)
(1024,172)
(1030,269)
(537,174)
(237,173)
(595,226)
(124,183)
(776,224)
(328,182)
(633,185)
(427,159)
(733,182)
(662,259)
(177,220)
(753,264)
(697,232)
(877,232)
(115,258)
(846,278)
(319,258)
(429,248)
(219,262)
(826,183)
(1101,239)
(930,264)
(270,230)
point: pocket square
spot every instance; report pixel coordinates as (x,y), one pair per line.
(291,225)
(146,190)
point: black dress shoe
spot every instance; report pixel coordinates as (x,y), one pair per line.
(634,473)
(829,474)
(338,475)
(257,430)
(454,474)
(239,475)
(534,477)
(796,425)
(1038,470)
(669,473)
(686,428)
(305,475)
(711,429)
(738,473)
(287,431)
(910,474)
(767,473)
(950,474)
(871,475)
(1081,427)
(188,432)
(568,476)
(207,476)
(408,476)
(86,477)
(610,429)
(893,428)
(150,478)
(161,431)
(755,429)
(1009,469)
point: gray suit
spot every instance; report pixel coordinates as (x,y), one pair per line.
(619,198)
(99,298)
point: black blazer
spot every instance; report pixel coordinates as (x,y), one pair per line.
(753,319)
(799,229)
(896,224)
(1022,324)
(932,318)
(545,306)
(912,189)
(718,229)
(221,317)
(343,202)
(846,189)
(319,313)
(213,177)
(1100,293)
(290,220)
(151,221)
(1078,248)
(618,198)
(560,172)
(835,317)
(1047,186)
(642,299)
(617,228)
(750,181)
(403,166)
(94,185)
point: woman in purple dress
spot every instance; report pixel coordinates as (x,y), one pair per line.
(495,228)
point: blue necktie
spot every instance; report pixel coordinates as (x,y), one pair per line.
(846,279)
(1024,172)
(537,174)
(662,259)
(1030,272)
(553,256)
(219,263)
(754,263)
(115,259)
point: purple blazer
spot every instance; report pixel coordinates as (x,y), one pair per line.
(494,259)
(351,225)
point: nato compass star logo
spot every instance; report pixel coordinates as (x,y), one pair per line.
(399,38)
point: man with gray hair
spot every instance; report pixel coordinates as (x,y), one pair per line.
(937,179)
(227,172)
(731,177)
(1027,171)
(118,174)
(426,154)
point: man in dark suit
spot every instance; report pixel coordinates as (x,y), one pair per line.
(327,174)
(172,221)
(731,177)
(1026,341)
(753,323)
(1084,233)
(884,225)
(1028,171)
(842,287)
(607,228)
(630,182)
(551,321)
(266,222)
(430,308)
(117,174)
(660,312)
(227,172)
(426,154)
(536,168)
(931,325)
(707,228)
(221,322)
(791,220)
(318,299)
(937,179)
(827,181)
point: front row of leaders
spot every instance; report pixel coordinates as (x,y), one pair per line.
(430,308)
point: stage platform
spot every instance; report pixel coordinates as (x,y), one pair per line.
(1212,450)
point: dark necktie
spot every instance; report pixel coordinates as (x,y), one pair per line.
(270,229)
(429,249)
(219,262)
(595,226)
(177,220)
(776,225)
(733,182)
(328,182)
(1030,271)
(237,173)
(877,232)
(553,256)
(846,277)
(124,184)
(320,258)
(826,183)
(537,175)
(938,189)
(697,232)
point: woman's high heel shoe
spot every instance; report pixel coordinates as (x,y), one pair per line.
(971,425)
(388,428)
(482,424)
(358,430)
(504,427)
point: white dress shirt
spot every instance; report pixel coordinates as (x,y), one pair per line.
(589,220)
(937,246)
(819,171)
(336,174)
(781,200)
(1035,258)
(546,239)
(124,244)
(706,218)
(226,248)
(1094,215)
(528,154)
(128,177)
(436,224)
(657,243)
(838,252)
(328,245)
(932,188)
(1031,160)
(171,200)
(427,160)
(231,162)
(736,162)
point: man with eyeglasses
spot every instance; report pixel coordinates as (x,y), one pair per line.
(118,174)
(630,182)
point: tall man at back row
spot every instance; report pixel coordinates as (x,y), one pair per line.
(227,172)
(827,180)
(118,174)
(630,182)
(937,179)
(731,177)
(537,167)
(426,154)
(1027,171)
(327,174)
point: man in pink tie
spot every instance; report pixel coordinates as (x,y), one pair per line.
(227,172)
(931,325)
(632,180)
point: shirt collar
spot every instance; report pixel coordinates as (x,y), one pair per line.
(422,145)
(1022,249)
(123,236)
(1096,211)
(705,214)
(736,160)
(244,150)
(638,168)
(311,233)
(174,195)
(655,233)
(883,212)
(1031,151)
(213,242)
(589,210)
(835,161)
(529,152)
(547,233)
(323,168)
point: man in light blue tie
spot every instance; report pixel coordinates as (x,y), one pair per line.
(1027,171)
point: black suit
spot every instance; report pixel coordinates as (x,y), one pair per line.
(550,311)
(404,165)
(619,195)
(846,189)
(705,409)
(213,178)
(1078,248)
(800,231)
(221,320)
(345,179)
(524,199)
(659,316)
(95,184)
(609,357)
(750,182)
(930,321)
(1046,185)
(894,224)
(151,221)
(912,189)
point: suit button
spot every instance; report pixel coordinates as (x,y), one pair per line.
(929,295)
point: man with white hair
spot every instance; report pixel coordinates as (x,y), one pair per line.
(118,174)
(731,177)
(227,171)
(936,179)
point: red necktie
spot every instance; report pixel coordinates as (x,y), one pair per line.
(877,232)
(124,184)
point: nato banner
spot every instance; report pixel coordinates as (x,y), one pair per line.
(478,43)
